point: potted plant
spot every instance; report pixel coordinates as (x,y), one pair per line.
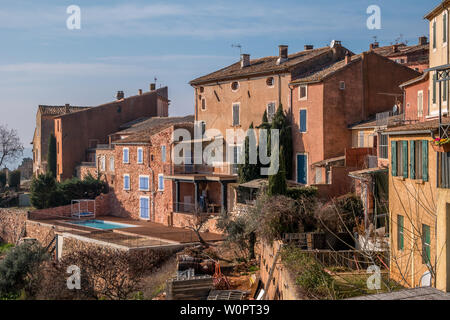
(441,145)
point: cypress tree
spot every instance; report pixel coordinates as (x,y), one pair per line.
(248,171)
(281,123)
(277,182)
(51,156)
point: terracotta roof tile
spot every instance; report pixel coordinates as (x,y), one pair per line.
(427,125)
(59,110)
(261,66)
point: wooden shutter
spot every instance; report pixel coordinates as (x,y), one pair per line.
(425,160)
(235,114)
(412,157)
(405,159)
(434,35)
(302,120)
(394,158)
(426,254)
(444,28)
(434,87)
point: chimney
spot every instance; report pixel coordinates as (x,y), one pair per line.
(140,92)
(423,41)
(336,44)
(374,45)
(283,55)
(395,48)
(120,95)
(67,108)
(348,57)
(309,47)
(245,60)
(152,86)
(283,51)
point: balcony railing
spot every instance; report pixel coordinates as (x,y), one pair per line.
(171,169)
(183,207)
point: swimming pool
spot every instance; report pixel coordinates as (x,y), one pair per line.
(102,225)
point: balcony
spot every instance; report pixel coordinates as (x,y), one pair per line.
(188,169)
(189,208)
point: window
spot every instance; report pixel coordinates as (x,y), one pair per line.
(126,155)
(163,154)
(342,85)
(303,93)
(102,164)
(426,252)
(361,139)
(303,120)
(444,167)
(111,164)
(140,155)
(384,146)
(400,230)
(444,91)
(144,183)
(160,182)
(144,208)
(399,158)
(203,104)
(444,27)
(418,159)
(203,127)
(236,114)
(202,89)
(271,111)
(126,182)
(420,103)
(302,168)
(235,86)
(270,82)
(434,34)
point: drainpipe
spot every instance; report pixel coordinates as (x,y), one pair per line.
(152,189)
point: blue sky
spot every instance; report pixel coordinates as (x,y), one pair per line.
(123,45)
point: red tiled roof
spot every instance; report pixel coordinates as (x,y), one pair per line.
(59,110)
(264,65)
(427,125)
(142,132)
(402,50)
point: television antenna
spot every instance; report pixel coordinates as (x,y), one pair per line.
(237,45)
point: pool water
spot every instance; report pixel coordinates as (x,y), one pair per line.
(103,225)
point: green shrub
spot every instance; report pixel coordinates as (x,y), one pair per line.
(301,192)
(47,193)
(14,179)
(310,275)
(19,269)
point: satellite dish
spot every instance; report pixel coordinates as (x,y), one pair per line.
(333,42)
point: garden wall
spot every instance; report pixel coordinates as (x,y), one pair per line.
(12,223)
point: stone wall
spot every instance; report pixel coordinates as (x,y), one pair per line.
(12,222)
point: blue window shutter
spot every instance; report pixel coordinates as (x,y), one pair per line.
(303,120)
(394,158)
(163,153)
(412,160)
(405,159)
(425,160)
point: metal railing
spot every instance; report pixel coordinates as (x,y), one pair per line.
(171,169)
(183,207)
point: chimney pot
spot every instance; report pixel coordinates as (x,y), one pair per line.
(67,108)
(140,92)
(245,60)
(423,41)
(374,45)
(309,47)
(395,48)
(152,86)
(120,95)
(348,57)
